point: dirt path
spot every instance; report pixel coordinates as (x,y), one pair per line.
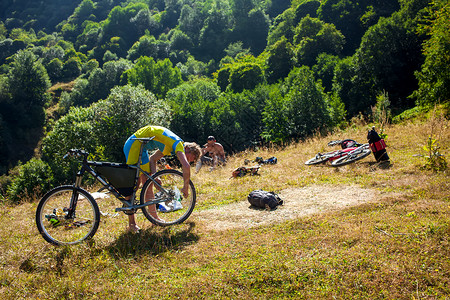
(297,202)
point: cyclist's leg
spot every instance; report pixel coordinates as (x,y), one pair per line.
(215,162)
(218,160)
(203,160)
(152,169)
(131,150)
(153,159)
(132,226)
(151,208)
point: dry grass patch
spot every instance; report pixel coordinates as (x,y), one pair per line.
(393,242)
(298,202)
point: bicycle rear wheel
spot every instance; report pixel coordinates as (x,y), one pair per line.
(351,157)
(60,222)
(172,211)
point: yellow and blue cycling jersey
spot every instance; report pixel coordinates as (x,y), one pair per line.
(164,140)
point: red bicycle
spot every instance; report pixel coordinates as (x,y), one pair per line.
(351,151)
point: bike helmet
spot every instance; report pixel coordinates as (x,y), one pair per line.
(348,143)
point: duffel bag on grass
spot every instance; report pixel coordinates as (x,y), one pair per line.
(263,199)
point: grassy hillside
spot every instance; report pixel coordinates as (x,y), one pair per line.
(395,246)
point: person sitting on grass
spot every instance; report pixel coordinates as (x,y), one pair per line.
(212,153)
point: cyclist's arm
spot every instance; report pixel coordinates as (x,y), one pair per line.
(186,172)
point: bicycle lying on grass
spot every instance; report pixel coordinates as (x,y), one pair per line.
(351,151)
(68,214)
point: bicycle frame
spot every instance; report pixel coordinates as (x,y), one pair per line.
(358,149)
(339,153)
(130,204)
(333,155)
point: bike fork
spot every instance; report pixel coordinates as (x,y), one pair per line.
(74,197)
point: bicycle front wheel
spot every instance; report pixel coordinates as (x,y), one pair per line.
(351,157)
(318,159)
(176,208)
(67,215)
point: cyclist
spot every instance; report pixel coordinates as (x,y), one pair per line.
(165,142)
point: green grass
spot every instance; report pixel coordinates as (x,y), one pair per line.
(394,248)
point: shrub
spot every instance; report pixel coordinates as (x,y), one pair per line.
(434,160)
(127,109)
(34,178)
(381,112)
(407,114)
(73,130)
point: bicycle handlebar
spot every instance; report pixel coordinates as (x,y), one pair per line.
(333,143)
(76,152)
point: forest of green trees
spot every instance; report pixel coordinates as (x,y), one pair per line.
(245,71)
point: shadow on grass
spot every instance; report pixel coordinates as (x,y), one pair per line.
(383,165)
(371,165)
(267,208)
(154,240)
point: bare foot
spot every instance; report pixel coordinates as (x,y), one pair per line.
(133,228)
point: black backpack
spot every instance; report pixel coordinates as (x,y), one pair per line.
(377,145)
(263,199)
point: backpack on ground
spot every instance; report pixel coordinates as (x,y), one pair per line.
(263,199)
(272,160)
(242,171)
(377,145)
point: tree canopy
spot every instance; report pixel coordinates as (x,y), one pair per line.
(246,71)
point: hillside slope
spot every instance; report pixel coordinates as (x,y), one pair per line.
(391,243)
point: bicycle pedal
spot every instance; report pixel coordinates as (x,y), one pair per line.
(123,209)
(126,210)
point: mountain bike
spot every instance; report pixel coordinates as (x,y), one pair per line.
(69,214)
(337,157)
(352,156)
